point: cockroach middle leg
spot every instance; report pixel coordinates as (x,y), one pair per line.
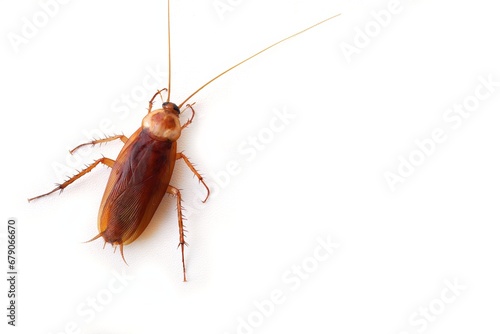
(123,138)
(108,162)
(174,191)
(181,155)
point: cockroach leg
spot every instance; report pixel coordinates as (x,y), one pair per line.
(189,121)
(174,191)
(123,138)
(188,106)
(181,155)
(108,162)
(154,97)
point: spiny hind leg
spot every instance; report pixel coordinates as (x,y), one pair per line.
(100,141)
(195,172)
(108,162)
(174,191)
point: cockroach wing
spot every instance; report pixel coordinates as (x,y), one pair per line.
(136,186)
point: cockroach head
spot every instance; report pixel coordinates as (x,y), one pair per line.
(171,106)
(163,124)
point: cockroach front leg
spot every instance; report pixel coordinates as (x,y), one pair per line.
(190,120)
(108,162)
(123,138)
(174,191)
(195,172)
(154,97)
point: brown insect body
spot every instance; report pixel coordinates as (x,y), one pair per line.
(139,178)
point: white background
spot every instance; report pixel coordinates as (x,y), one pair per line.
(322,176)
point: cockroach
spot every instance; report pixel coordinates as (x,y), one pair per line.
(140,175)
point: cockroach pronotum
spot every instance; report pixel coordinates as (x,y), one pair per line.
(140,175)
